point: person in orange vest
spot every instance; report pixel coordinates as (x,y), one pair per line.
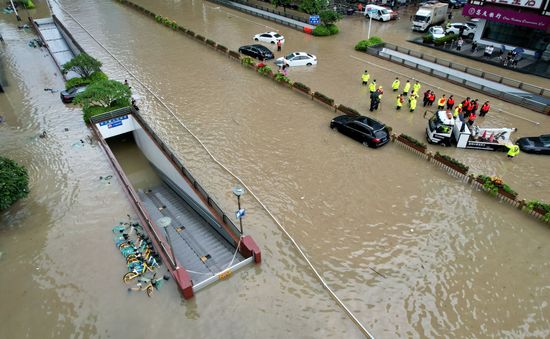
(476,106)
(484,109)
(441,102)
(450,102)
(465,104)
(431,98)
(471,106)
(399,102)
(471,119)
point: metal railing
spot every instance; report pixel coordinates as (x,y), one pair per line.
(545,92)
(515,99)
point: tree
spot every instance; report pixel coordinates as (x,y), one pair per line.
(14,182)
(104,93)
(312,6)
(283,3)
(82,64)
(328,17)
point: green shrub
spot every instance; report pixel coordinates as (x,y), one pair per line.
(246,60)
(453,161)
(96,76)
(324,98)
(14,182)
(427,38)
(413,140)
(28,4)
(363,44)
(265,70)
(348,110)
(492,184)
(445,39)
(280,77)
(158,18)
(532,204)
(302,87)
(325,30)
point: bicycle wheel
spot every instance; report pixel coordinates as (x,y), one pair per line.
(149,291)
(129,276)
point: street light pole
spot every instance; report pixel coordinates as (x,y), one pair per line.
(238,191)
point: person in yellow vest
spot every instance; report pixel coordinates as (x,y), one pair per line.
(395,85)
(372,86)
(513,150)
(457,111)
(365,77)
(416,87)
(441,102)
(406,88)
(399,102)
(412,103)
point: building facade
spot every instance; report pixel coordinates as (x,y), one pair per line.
(512,24)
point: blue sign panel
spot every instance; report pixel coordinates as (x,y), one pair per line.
(110,121)
(115,124)
(240,213)
(314,20)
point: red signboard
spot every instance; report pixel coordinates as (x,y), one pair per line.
(509,16)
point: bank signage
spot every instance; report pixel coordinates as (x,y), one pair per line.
(519,3)
(508,16)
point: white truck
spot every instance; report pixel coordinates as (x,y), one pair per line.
(429,15)
(445,130)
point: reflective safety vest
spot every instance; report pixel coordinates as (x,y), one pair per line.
(441,102)
(372,86)
(513,150)
(412,103)
(407,87)
(365,77)
(416,87)
(458,109)
(399,103)
(485,108)
(451,101)
(395,84)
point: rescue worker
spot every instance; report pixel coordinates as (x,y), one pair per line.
(476,106)
(450,102)
(471,119)
(380,92)
(412,103)
(416,88)
(395,85)
(465,104)
(426,98)
(372,86)
(365,77)
(431,98)
(441,102)
(406,88)
(484,109)
(399,102)
(374,100)
(513,150)
(457,111)
(471,106)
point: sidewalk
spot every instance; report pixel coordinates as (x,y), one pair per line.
(528,64)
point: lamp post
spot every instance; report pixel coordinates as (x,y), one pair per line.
(238,191)
(164,222)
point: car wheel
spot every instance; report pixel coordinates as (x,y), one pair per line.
(256,39)
(366,144)
(471,36)
(308,64)
(273,42)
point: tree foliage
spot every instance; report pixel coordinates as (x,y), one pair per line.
(14,182)
(329,16)
(278,3)
(82,64)
(104,93)
(312,6)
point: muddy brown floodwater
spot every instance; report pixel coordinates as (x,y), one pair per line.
(452,261)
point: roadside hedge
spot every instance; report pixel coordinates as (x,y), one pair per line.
(96,76)
(363,44)
(326,30)
(14,182)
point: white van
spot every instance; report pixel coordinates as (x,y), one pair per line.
(377,13)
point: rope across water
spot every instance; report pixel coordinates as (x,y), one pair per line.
(324,284)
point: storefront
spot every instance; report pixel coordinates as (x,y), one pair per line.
(512,23)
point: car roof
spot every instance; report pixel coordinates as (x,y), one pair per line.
(263,48)
(370,122)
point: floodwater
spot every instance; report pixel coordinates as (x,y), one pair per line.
(451,262)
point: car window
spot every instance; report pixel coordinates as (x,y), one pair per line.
(359,127)
(265,36)
(311,56)
(278,35)
(81,89)
(380,134)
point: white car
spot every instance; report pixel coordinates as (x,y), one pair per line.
(297,59)
(436,32)
(468,30)
(271,37)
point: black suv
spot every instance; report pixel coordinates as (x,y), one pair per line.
(366,130)
(256,51)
